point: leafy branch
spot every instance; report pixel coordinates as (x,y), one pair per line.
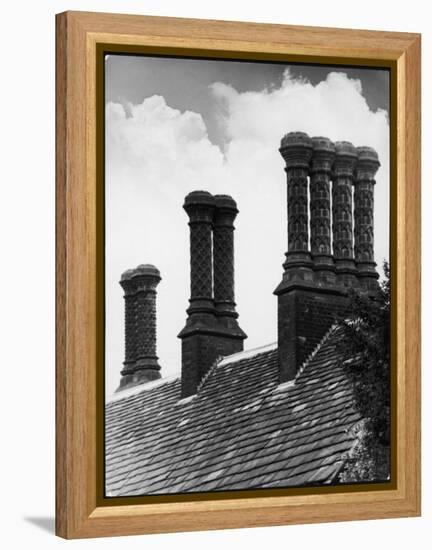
(365,355)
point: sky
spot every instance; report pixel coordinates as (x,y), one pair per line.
(178,125)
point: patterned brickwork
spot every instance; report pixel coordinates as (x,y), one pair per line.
(223,255)
(223,247)
(363,215)
(366,168)
(141,362)
(342,201)
(201,261)
(296,150)
(211,328)
(146,323)
(320,215)
(321,166)
(199,205)
(312,295)
(298,230)
(304,317)
(130,334)
(342,218)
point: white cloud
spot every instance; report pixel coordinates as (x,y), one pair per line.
(157,154)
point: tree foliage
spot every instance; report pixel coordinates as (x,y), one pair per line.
(365,352)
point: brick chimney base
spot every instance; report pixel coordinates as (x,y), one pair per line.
(304,317)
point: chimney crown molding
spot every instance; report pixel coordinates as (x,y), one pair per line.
(367,153)
(199,206)
(225,213)
(323,144)
(323,155)
(345,159)
(296,149)
(199,198)
(367,164)
(345,150)
(141,362)
(225,202)
(142,270)
(296,139)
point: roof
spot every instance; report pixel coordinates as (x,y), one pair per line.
(242,429)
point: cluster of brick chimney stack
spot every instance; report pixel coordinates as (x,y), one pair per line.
(211,328)
(329,171)
(339,251)
(141,362)
(330,199)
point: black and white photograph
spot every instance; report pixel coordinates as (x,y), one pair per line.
(247,275)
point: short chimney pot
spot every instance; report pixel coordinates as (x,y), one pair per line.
(141,362)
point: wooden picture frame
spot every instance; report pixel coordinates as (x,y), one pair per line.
(81,37)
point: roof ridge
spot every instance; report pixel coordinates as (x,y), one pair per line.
(234,357)
(138,388)
(315,350)
(208,373)
(247,353)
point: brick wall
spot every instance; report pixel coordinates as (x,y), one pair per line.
(199,354)
(304,317)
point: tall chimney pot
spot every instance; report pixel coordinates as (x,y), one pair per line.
(366,168)
(320,209)
(296,149)
(199,205)
(211,328)
(223,256)
(343,174)
(309,295)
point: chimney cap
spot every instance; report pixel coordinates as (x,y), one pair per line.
(199,197)
(296,139)
(345,149)
(141,270)
(368,154)
(225,201)
(323,144)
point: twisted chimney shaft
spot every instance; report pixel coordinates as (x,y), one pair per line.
(366,168)
(296,149)
(199,205)
(223,257)
(320,208)
(343,173)
(313,290)
(141,362)
(211,328)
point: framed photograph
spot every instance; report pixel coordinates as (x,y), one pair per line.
(238,274)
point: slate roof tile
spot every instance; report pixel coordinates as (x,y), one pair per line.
(242,429)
